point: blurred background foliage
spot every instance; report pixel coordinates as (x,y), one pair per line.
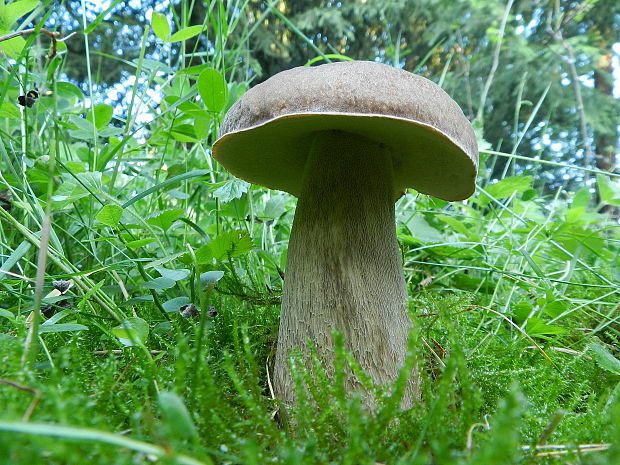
(498,60)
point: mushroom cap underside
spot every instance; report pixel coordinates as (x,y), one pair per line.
(267,134)
(274,154)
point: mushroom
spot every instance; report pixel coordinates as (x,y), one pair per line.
(347,139)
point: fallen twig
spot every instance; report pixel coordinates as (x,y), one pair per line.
(35,393)
(552,450)
(51,34)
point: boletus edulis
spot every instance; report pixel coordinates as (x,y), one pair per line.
(347,139)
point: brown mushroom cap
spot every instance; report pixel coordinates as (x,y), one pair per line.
(267,133)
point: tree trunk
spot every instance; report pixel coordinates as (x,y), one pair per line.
(344,271)
(605,142)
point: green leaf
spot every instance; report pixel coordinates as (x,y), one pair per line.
(536,327)
(608,190)
(165,219)
(183,133)
(202,127)
(331,56)
(139,243)
(160,25)
(153,66)
(91,180)
(203,255)
(196,69)
(15,256)
(574,237)
(10,13)
(8,110)
(61,328)
(174,305)
(213,89)
(176,420)
(6,314)
(88,435)
(68,90)
(274,208)
(175,275)
(83,124)
(54,319)
(231,244)
(12,47)
(185,33)
(211,277)
(83,129)
(508,186)
(521,311)
(103,115)
(423,231)
(188,107)
(132,331)
(460,251)
(232,189)
(110,131)
(573,215)
(159,284)
(456,225)
(553,308)
(76,188)
(483,144)
(110,215)
(581,198)
(604,358)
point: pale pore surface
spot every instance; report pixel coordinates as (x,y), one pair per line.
(344,270)
(266,134)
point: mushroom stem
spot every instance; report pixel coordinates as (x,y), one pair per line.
(344,271)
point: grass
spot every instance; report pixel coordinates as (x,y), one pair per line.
(514,294)
(506,388)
